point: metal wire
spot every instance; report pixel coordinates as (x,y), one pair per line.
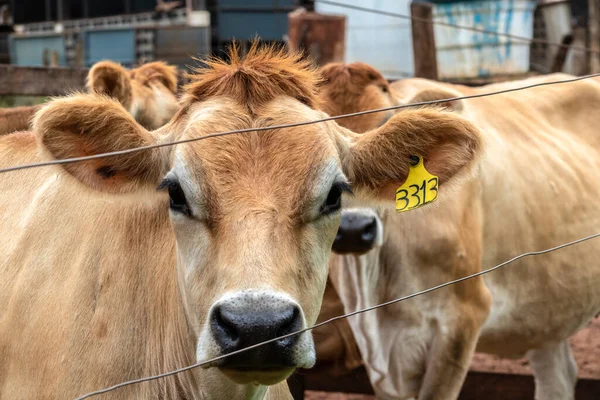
(157,145)
(463,27)
(410,296)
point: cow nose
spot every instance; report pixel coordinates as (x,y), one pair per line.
(240,323)
(357,234)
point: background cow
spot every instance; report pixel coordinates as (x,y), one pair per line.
(147,92)
(104,278)
(348,89)
(533,189)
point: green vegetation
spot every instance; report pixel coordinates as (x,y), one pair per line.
(16,101)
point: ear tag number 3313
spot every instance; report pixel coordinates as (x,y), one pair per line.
(419,189)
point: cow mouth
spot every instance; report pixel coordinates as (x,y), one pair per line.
(270,376)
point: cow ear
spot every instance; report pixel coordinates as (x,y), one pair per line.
(378,161)
(111,79)
(160,71)
(439,94)
(84,125)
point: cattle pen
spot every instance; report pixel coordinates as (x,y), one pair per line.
(489,378)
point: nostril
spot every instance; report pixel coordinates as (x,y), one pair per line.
(369,233)
(290,322)
(226,324)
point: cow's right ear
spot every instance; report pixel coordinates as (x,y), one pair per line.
(111,79)
(84,125)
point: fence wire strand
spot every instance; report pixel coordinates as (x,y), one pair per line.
(398,300)
(456,26)
(284,126)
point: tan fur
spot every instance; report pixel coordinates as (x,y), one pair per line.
(263,75)
(16,119)
(110,78)
(535,188)
(147,92)
(98,286)
(350,88)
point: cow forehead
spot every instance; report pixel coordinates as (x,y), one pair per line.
(280,167)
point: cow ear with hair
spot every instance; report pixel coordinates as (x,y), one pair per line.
(378,161)
(84,125)
(159,71)
(111,79)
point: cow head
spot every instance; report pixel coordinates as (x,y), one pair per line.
(254,215)
(349,88)
(359,87)
(147,92)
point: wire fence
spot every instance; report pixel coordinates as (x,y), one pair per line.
(456,26)
(388,303)
(285,126)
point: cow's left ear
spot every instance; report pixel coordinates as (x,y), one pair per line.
(85,125)
(378,161)
(111,79)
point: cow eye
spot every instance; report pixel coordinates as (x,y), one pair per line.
(333,203)
(177,200)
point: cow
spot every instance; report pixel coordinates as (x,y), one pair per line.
(534,188)
(147,92)
(349,88)
(135,264)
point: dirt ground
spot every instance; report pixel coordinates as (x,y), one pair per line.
(585,344)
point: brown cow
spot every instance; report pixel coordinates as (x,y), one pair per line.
(533,189)
(147,92)
(103,278)
(349,88)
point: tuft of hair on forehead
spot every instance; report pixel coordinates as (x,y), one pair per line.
(159,70)
(263,74)
(351,76)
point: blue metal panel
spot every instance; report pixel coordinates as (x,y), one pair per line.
(116,45)
(463,53)
(29,51)
(244,26)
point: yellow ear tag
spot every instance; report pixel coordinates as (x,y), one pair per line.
(419,189)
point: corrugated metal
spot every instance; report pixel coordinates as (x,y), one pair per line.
(116,45)
(465,54)
(382,41)
(29,51)
(244,19)
(246,25)
(177,45)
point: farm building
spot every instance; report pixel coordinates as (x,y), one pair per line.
(82,32)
